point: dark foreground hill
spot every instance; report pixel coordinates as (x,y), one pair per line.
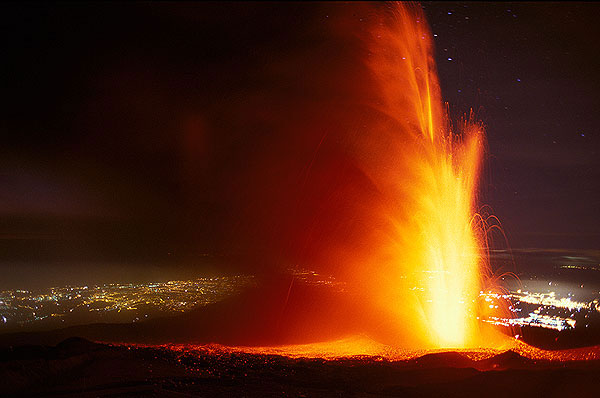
(79,368)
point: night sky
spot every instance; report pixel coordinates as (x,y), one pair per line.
(131,131)
(531,73)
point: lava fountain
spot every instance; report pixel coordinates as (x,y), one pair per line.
(424,259)
(386,199)
(439,242)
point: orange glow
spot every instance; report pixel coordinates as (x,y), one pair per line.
(360,346)
(357,346)
(430,186)
(366,181)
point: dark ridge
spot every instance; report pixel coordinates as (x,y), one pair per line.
(452,359)
(506,360)
(70,347)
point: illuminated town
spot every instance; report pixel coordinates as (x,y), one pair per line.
(126,302)
(309,277)
(113,302)
(133,302)
(543,310)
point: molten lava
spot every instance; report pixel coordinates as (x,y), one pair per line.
(432,186)
(364,179)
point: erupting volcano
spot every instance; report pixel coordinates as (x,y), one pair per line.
(388,204)
(347,166)
(269,199)
(436,241)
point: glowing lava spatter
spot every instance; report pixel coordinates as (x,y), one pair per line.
(437,244)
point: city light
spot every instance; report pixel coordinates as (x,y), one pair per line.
(127,302)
